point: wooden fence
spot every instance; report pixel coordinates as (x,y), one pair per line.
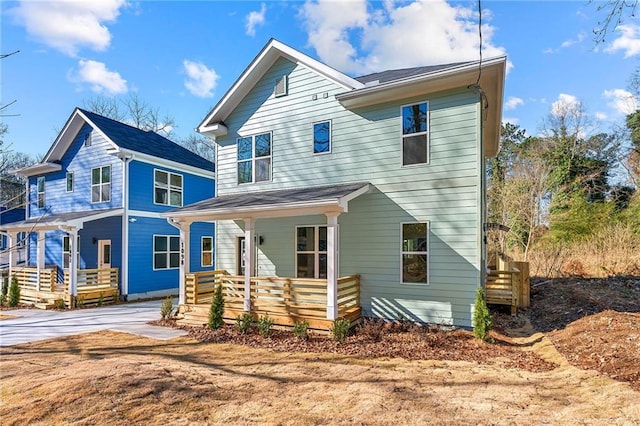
(508,284)
(95,286)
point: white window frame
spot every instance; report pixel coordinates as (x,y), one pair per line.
(168,252)
(69,175)
(203,251)
(313,137)
(169,188)
(66,254)
(316,249)
(427,133)
(426,252)
(88,139)
(253,158)
(285,81)
(43,192)
(101,184)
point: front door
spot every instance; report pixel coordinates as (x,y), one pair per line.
(104,254)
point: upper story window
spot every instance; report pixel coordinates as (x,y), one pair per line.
(254,158)
(281,87)
(167,188)
(166,252)
(415,253)
(87,139)
(415,134)
(101,184)
(322,137)
(41,197)
(69,181)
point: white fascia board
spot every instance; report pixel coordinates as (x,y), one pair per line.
(79,223)
(257,68)
(344,201)
(215,129)
(65,137)
(156,161)
(37,169)
(97,129)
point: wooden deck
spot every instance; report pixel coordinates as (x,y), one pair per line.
(95,287)
(285,300)
(508,284)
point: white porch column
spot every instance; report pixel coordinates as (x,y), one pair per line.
(73,262)
(13,248)
(249,261)
(40,246)
(332,265)
(185,260)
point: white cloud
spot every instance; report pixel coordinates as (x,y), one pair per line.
(628,41)
(69,25)
(566,44)
(512,103)
(622,101)
(255,19)
(601,116)
(355,36)
(201,81)
(100,78)
(565,104)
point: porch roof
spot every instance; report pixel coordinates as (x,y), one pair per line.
(62,221)
(279,203)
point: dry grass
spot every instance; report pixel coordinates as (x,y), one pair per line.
(121,379)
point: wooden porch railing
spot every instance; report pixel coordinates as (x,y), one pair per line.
(28,278)
(509,285)
(95,286)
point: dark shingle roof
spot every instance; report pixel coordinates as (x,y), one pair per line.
(399,74)
(147,142)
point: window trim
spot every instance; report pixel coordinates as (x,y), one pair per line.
(253,158)
(38,192)
(202,251)
(69,175)
(168,188)
(313,137)
(167,252)
(427,133)
(88,138)
(427,252)
(316,250)
(101,183)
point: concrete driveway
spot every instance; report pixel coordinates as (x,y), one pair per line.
(34,324)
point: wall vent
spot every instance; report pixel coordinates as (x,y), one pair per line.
(281,87)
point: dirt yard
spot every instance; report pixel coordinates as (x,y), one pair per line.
(417,376)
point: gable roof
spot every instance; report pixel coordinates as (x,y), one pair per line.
(213,122)
(123,137)
(399,74)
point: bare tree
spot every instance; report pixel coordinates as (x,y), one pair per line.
(614,12)
(200,145)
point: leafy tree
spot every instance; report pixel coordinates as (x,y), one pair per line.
(216,311)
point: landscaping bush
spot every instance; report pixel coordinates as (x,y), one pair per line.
(166,309)
(14,292)
(482,320)
(340,329)
(4,291)
(373,329)
(58,303)
(216,312)
(244,322)
(300,329)
(264,325)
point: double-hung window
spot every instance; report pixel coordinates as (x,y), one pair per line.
(254,158)
(207,251)
(101,184)
(166,252)
(322,137)
(168,188)
(40,189)
(415,253)
(311,252)
(415,134)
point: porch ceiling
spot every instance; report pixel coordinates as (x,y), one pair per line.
(64,221)
(280,203)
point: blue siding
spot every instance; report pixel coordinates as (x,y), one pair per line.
(141,192)
(78,159)
(199,230)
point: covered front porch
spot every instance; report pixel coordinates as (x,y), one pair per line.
(45,284)
(321,298)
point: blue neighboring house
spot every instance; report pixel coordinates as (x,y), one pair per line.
(7,216)
(95,200)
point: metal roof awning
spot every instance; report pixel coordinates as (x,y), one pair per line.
(269,204)
(61,221)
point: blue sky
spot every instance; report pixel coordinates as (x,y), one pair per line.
(182,56)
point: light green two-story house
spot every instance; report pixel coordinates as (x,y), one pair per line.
(321,176)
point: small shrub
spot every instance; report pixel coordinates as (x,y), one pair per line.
(244,322)
(14,292)
(4,291)
(216,312)
(300,329)
(373,329)
(482,320)
(340,329)
(264,325)
(101,299)
(166,309)
(58,303)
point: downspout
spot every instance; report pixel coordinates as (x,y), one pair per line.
(124,275)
